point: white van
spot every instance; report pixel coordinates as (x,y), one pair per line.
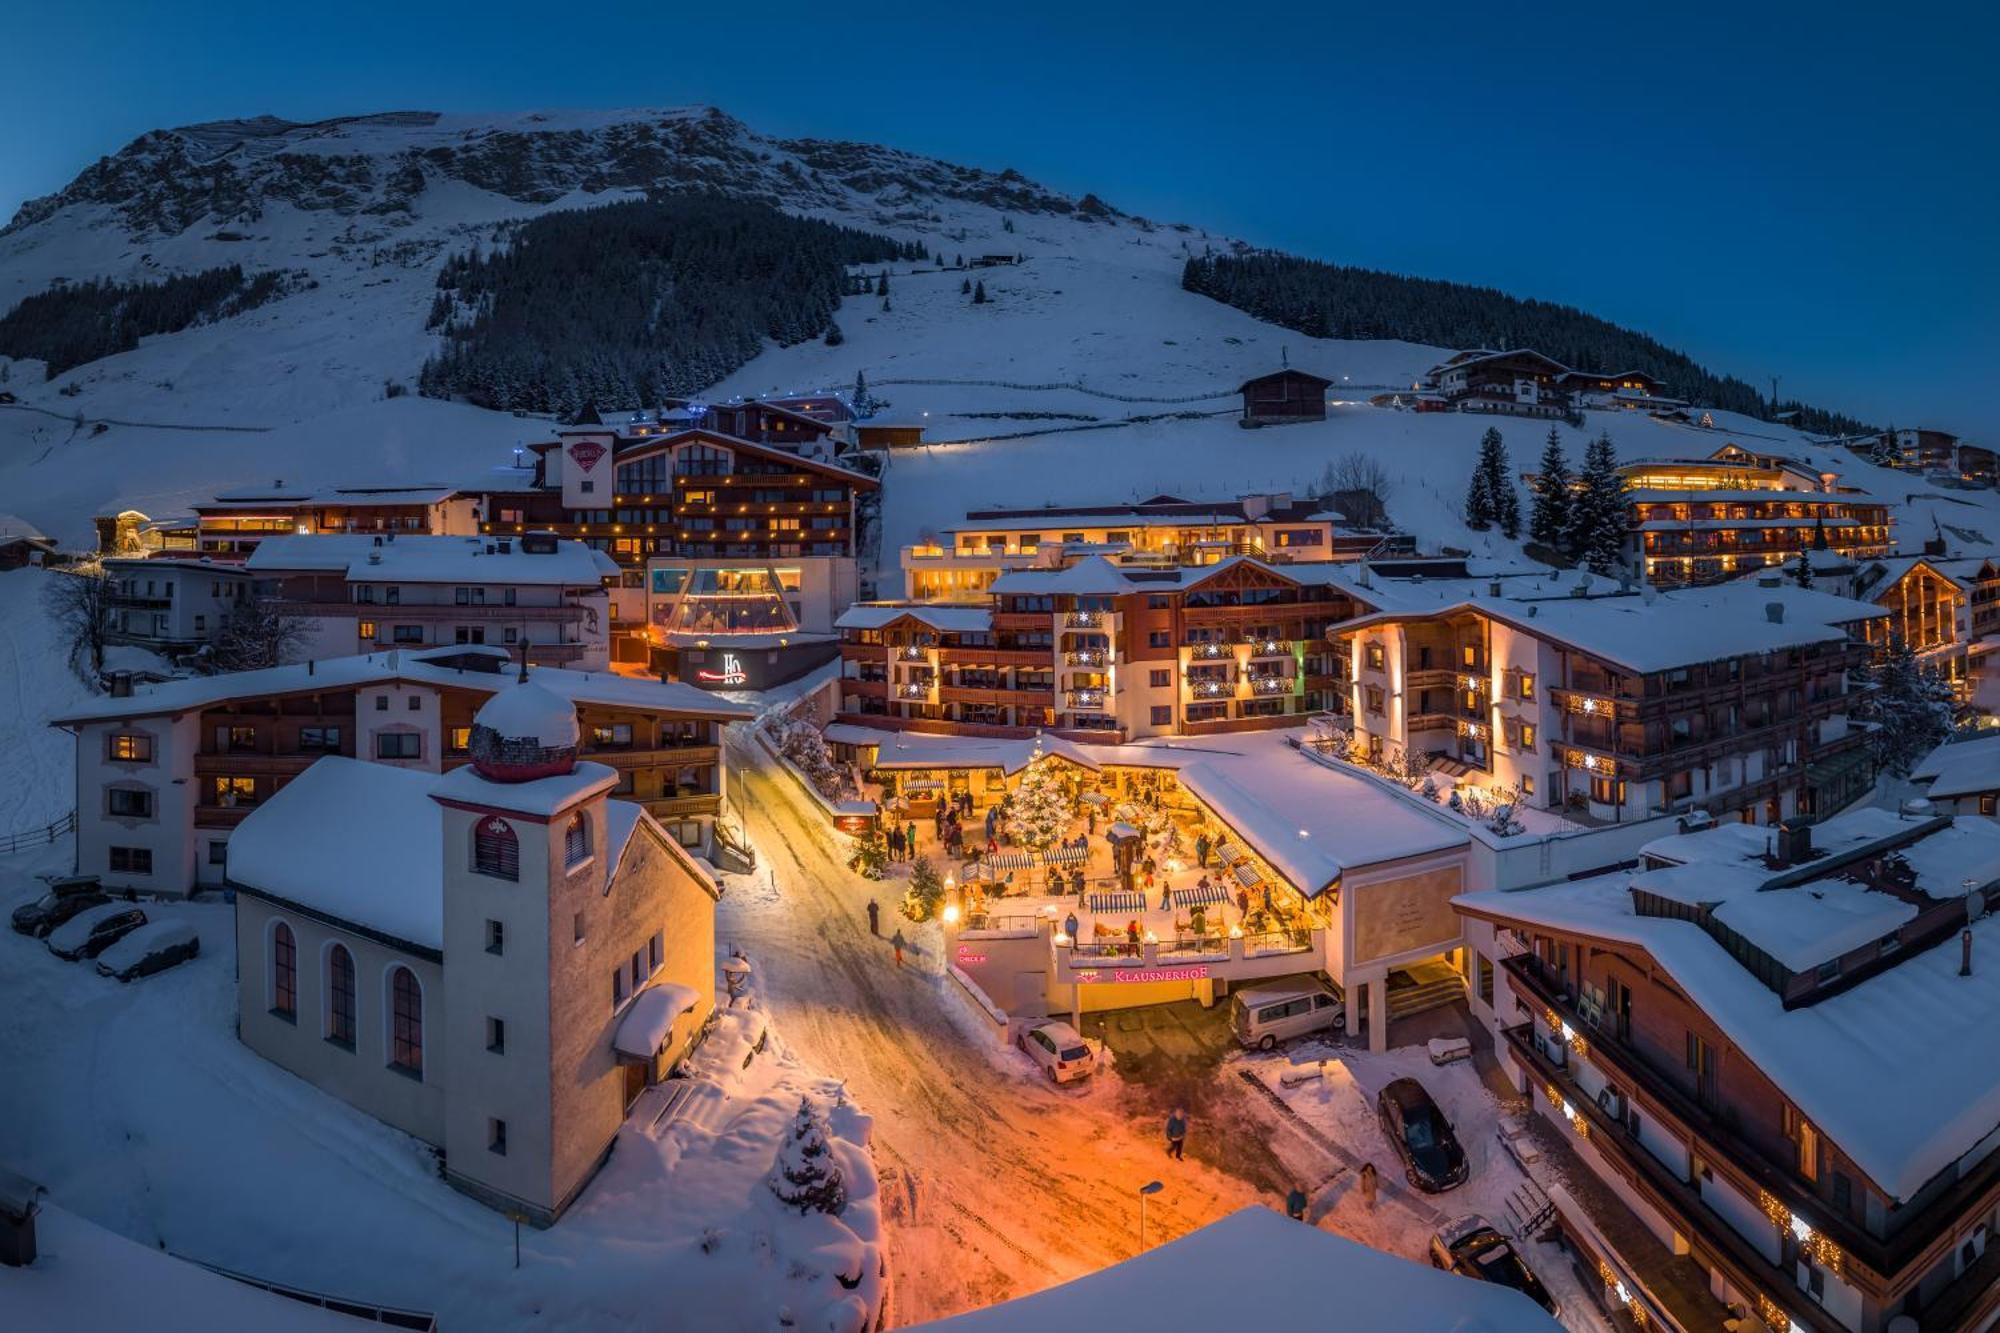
(1273,1011)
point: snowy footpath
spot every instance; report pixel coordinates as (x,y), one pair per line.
(137,1108)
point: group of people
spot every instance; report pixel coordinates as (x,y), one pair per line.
(1296,1200)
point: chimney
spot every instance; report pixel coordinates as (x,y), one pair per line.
(121,684)
(19,1202)
(1493,588)
(1794,844)
(1774,612)
(1964,953)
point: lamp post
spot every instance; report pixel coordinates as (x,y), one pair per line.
(1150,1187)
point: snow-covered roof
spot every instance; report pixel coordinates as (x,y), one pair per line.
(434,667)
(88,1277)
(541,797)
(427,559)
(1961,768)
(14,528)
(1260,1270)
(529,710)
(1642,632)
(650,1017)
(1832,1058)
(907,751)
(949,619)
(357,841)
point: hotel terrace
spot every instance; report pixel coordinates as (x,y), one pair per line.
(1705,520)
(1163,532)
(1104,650)
(1776,1049)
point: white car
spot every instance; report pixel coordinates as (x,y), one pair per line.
(1062,1052)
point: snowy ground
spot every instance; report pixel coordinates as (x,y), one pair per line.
(37,762)
(137,1108)
(1341,1105)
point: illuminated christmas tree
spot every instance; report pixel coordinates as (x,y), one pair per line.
(1039,812)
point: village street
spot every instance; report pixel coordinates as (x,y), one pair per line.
(995,1183)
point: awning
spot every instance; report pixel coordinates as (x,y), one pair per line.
(1007,861)
(1065,856)
(1246,875)
(1200,896)
(1227,855)
(1096,798)
(1123,832)
(1119,901)
(923,784)
(650,1018)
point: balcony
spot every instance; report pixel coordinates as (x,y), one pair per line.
(676,756)
(1211,687)
(426,613)
(1083,620)
(1268,647)
(1269,683)
(1886,1257)
(912,653)
(672,806)
(1093,701)
(914,689)
(1094,658)
(248,763)
(1211,652)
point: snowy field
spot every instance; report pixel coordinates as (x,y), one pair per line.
(136,1107)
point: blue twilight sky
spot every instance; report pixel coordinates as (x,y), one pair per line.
(1801,190)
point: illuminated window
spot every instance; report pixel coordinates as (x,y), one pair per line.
(128,748)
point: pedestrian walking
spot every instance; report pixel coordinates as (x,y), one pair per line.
(1243,901)
(1176,1134)
(895,844)
(1090,822)
(898,942)
(1070,925)
(1369,1183)
(1166,894)
(874,917)
(1295,1204)
(1201,848)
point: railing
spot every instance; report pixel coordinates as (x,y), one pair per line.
(425,612)
(1083,620)
(419,1320)
(1269,684)
(916,689)
(706,804)
(1092,699)
(39,837)
(1277,941)
(1087,657)
(644,757)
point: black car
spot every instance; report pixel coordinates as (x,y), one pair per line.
(1473,1247)
(1432,1159)
(65,898)
(90,933)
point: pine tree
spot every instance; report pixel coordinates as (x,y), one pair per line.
(805,1176)
(1039,812)
(1597,516)
(1478,501)
(1911,707)
(1802,571)
(870,858)
(925,895)
(965,286)
(861,401)
(834,337)
(1548,524)
(882,283)
(1501,497)
(979,292)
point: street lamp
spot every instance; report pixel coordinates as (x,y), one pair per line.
(1150,1187)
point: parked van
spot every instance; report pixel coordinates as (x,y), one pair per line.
(1273,1011)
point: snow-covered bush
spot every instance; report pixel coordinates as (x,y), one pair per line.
(802,742)
(805,1175)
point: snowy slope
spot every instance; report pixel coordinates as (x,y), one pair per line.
(1090,331)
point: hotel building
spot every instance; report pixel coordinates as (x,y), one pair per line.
(164,775)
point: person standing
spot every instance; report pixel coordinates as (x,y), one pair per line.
(1295,1204)
(895,843)
(1201,848)
(1369,1184)
(1176,1134)
(874,917)
(1070,925)
(910,840)
(897,942)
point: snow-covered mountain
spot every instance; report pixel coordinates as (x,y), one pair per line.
(1089,374)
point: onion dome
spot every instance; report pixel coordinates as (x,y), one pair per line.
(524,732)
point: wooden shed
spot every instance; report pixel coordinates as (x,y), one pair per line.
(1284,395)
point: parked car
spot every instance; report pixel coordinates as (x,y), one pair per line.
(1059,1049)
(1432,1158)
(153,947)
(1273,1011)
(92,931)
(65,898)
(1473,1247)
